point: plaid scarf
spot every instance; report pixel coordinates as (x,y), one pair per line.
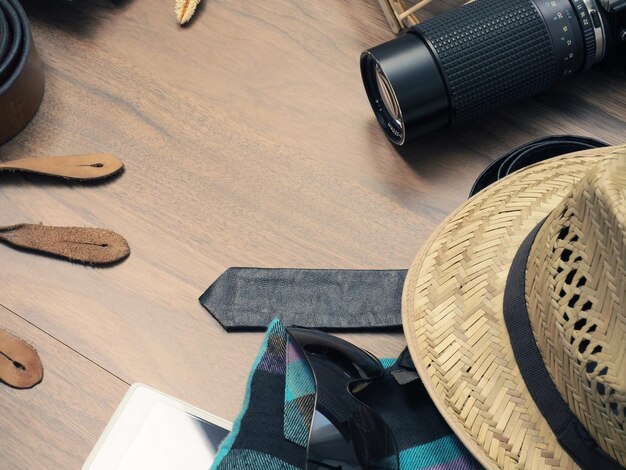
(272,429)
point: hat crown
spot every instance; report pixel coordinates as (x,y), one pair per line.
(576,298)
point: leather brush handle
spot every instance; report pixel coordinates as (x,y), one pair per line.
(81,244)
(90,166)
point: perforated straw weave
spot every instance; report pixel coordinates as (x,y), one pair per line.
(453,319)
(576,296)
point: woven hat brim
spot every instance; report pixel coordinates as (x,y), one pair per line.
(453,315)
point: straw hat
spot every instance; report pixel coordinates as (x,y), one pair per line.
(515,316)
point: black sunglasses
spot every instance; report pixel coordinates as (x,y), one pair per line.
(340,369)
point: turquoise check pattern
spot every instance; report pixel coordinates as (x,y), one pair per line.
(273,427)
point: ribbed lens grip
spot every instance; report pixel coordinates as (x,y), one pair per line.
(590,47)
(491,53)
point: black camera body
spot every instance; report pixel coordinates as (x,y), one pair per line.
(484,55)
(615,12)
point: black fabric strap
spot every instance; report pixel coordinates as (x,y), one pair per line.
(249,298)
(570,433)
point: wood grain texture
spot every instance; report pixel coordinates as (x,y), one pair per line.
(248,141)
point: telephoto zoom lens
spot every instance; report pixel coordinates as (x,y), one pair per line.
(469,61)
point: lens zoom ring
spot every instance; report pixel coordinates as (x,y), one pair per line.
(492,53)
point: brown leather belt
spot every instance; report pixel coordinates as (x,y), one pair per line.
(21,71)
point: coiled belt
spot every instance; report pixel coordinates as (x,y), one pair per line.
(21,71)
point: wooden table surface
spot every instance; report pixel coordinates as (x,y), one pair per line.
(248,141)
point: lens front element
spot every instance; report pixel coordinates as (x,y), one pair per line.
(405,88)
(388,97)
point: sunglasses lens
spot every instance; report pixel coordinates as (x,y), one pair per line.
(328,449)
(356,363)
(374,443)
(371,447)
(338,366)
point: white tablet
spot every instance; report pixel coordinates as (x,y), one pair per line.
(151,430)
